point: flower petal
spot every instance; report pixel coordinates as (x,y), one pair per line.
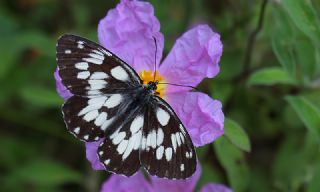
(201,115)
(118,183)
(213,187)
(91,154)
(128,31)
(61,89)
(188,185)
(193,57)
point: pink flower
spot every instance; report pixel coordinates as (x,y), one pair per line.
(138,183)
(128,31)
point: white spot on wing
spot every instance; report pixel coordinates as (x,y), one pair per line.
(113,101)
(93,60)
(129,148)
(168,153)
(182,167)
(159,152)
(143,143)
(83,75)
(106,124)
(76,130)
(97,84)
(101,119)
(178,138)
(148,144)
(99,75)
(122,146)
(106,162)
(163,116)
(97,56)
(174,141)
(67,51)
(137,139)
(118,138)
(93,104)
(97,52)
(182,137)
(99,101)
(91,115)
(106,52)
(153,139)
(94,92)
(119,73)
(86,137)
(82,65)
(136,124)
(182,129)
(160,136)
(80,44)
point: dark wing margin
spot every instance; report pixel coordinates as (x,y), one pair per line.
(87,68)
(166,148)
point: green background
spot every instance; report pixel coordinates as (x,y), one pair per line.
(270,93)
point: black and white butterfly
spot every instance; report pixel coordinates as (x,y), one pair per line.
(110,101)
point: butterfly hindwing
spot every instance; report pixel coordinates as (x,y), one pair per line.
(88,118)
(166,148)
(87,68)
(119,152)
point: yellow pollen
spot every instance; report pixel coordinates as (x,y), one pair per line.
(148,76)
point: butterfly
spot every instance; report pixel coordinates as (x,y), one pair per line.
(110,102)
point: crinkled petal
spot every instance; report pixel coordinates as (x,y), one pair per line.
(91,154)
(128,31)
(61,89)
(193,57)
(212,187)
(188,185)
(118,183)
(201,115)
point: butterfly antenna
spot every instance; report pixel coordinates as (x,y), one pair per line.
(155,59)
(180,85)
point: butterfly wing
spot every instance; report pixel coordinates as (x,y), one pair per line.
(103,86)
(88,69)
(166,148)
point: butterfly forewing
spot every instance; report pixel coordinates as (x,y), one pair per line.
(86,68)
(166,148)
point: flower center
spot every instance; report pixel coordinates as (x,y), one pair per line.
(148,76)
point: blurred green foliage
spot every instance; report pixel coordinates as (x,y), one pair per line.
(272,105)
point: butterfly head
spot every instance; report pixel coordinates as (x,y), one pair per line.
(152,85)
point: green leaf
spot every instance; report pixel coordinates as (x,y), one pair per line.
(294,161)
(308,113)
(283,39)
(209,174)
(270,76)
(41,96)
(236,135)
(314,185)
(45,173)
(304,16)
(233,161)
